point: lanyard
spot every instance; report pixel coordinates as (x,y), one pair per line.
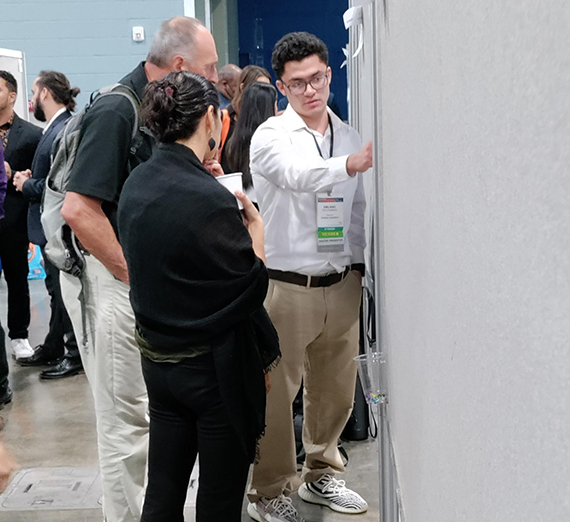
(332,140)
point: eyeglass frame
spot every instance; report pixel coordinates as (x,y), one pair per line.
(326,75)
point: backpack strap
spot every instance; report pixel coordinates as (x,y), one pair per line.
(128,93)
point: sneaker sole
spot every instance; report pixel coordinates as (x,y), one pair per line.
(18,357)
(313,498)
(252,512)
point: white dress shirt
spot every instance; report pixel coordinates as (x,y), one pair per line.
(53,118)
(288,172)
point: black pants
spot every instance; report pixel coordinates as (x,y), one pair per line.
(3,362)
(14,254)
(60,334)
(187,417)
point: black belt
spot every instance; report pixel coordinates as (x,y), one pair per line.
(307,281)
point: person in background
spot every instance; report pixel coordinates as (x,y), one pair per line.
(305,166)
(228,81)
(7,464)
(259,102)
(19,140)
(198,282)
(112,358)
(5,391)
(4,170)
(53,101)
(249,74)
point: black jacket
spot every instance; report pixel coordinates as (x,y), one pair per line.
(22,143)
(195,279)
(33,189)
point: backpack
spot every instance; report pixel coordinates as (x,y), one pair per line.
(62,247)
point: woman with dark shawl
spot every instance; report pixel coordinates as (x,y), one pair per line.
(198,282)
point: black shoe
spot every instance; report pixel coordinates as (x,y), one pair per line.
(64,368)
(42,357)
(5,397)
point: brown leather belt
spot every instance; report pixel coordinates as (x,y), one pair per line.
(307,281)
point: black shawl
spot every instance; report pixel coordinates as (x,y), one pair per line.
(195,279)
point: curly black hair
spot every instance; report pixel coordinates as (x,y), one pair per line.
(173,107)
(11,82)
(294,47)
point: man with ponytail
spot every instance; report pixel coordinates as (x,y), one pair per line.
(106,155)
(53,102)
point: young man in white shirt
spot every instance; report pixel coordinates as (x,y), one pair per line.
(305,166)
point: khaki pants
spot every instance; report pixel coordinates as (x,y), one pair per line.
(318,332)
(112,363)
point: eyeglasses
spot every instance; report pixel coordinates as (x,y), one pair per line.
(299,87)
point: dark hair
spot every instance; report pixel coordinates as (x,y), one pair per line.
(11,82)
(173,107)
(59,87)
(257,105)
(294,47)
(249,74)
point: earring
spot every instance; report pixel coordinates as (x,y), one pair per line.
(212,143)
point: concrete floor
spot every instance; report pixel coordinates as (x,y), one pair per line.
(51,424)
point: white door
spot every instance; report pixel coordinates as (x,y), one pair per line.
(14,63)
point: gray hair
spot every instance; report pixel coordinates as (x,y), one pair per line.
(175,36)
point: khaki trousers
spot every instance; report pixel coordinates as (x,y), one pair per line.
(318,332)
(112,363)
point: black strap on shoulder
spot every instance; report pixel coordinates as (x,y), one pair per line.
(121,89)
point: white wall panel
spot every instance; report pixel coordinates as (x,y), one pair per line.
(475,241)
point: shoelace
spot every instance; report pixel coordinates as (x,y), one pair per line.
(282,505)
(333,485)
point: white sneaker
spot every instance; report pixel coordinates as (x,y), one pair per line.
(327,491)
(278,509)
(21,348)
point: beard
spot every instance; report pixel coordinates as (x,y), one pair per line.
(39,113)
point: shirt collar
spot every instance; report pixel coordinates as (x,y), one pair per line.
(54,117)
(223,98)
(137,80)
(294,122)
(9,123)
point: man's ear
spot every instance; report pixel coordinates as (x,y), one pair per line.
(176,62)
(329,71)
(12,97)
(281,87)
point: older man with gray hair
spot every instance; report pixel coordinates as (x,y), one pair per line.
(111,357)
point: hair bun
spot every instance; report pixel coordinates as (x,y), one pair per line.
(74,91)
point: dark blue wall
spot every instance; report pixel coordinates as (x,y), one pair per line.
(262,23)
